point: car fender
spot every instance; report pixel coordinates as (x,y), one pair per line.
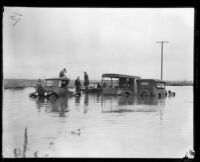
(33,94)
(53,94)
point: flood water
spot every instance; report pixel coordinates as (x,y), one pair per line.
(99,126)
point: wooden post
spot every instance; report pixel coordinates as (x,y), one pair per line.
(162,57)
(25,142)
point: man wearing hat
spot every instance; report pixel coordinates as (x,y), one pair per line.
(78,85)
(86,80)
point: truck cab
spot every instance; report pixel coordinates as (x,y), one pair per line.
(151,88)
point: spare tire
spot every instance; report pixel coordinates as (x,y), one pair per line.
(144,93)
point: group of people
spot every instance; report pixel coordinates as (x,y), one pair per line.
(77,83)
(63,74)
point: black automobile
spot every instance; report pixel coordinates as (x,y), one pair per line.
(53,88)
(151,87)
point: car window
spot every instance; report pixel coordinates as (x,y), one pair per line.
(52,83)
(160,85)
(109,83)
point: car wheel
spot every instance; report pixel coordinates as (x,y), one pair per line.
(77,94)
(127,94)
(53,96)
(159,95)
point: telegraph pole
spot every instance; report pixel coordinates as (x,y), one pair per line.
(162,57)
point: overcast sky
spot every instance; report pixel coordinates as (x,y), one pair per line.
(97,40)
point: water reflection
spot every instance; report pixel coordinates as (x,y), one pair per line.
(133,120)
(151,101)
(130,100)
(86,102)
(40,102)
(161,114)
(98,97)
(59,106)
(77,100)
(108,100)
(170,96)
(108,104)
(132,104)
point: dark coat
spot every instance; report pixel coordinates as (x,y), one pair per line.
(62,74)
(40,89)
(77,85)
(86,80)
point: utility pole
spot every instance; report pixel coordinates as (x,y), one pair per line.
(162,57)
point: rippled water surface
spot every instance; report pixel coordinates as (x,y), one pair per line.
(99,126)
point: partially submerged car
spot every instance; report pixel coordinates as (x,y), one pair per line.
(53,88)
(151,87)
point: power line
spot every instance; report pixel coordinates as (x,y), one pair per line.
(162,42)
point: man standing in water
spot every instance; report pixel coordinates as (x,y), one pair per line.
(78,85)
(63,73)
(39,88)
(86,80)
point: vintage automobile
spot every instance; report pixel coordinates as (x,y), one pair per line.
(53,88)
(118,84)
(151,87)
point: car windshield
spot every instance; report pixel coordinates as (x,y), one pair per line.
(52,83)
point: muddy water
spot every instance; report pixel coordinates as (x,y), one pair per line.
(99,126)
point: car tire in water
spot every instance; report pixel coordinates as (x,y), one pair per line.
(53,97)
(77,94)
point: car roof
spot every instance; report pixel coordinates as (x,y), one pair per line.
(155,80)
(57,79)
(111,75)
